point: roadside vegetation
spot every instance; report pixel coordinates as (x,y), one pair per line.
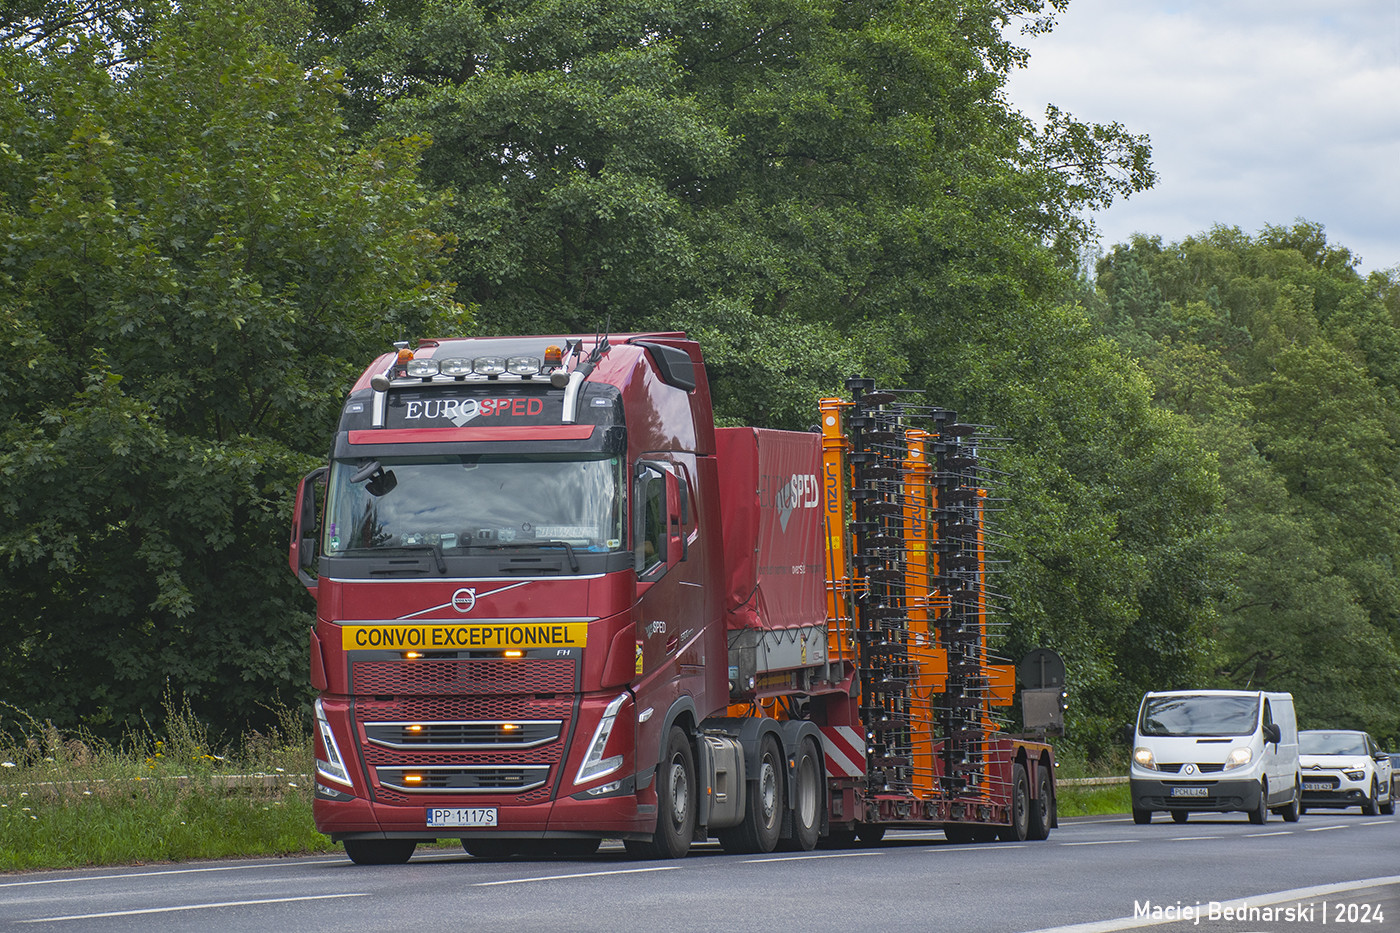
(74,800)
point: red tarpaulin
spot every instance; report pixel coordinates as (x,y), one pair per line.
(770,500)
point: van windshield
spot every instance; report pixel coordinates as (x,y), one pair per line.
(1199,715)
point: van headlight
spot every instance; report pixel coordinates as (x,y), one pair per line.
(1239,757)
(1142,757)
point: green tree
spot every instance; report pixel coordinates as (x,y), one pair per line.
(192,264)
(1283,358)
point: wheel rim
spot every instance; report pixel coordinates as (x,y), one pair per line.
(680,793)
(768,789)
(807,793)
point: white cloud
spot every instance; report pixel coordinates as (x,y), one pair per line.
(1259,113)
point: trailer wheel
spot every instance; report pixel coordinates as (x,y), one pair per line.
(380,851)
(675,798)
(806,808)
(763,816)
(1020,825)
(1042,809)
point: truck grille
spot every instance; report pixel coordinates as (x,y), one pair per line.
(462,736)
(481,779)
(440,676)
(463,746)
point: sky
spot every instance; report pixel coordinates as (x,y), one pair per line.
(1260,112)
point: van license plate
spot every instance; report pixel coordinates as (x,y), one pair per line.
(461,816)
(1190,791)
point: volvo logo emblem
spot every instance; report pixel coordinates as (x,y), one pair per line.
(464,600)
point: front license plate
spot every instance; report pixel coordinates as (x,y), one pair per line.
(1307,786)
(461,816)
(1190,791)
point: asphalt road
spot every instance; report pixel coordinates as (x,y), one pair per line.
(1332,870)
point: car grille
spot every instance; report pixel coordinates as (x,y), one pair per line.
(1207,767)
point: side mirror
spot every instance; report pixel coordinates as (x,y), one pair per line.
(1129,733)
(305,528)
(1272,733)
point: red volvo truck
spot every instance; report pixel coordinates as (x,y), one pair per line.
(556,604)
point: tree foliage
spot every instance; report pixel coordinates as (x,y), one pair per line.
(1284,358)
(192,264)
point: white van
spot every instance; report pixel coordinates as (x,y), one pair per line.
(1215,751)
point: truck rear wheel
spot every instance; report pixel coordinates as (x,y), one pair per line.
(806,809)
(1020,825)
(675,802)
(380,851)
(1042,809)
(763,814)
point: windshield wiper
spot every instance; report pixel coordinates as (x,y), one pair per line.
(568,548)
(435,547)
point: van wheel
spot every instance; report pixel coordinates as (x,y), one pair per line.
(1294,809)
(1142,817)
(1178,816)
(1260,814)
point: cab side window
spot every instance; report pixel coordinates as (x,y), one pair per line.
(651,489)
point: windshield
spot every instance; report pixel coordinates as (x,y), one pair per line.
(1331,743)
(474,502)
(1200,715)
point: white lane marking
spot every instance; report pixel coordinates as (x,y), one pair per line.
(1323,829)
(1277,832)
(1193,838)
(1105,842)
(179,907)
(1378,823)
(800,858)
(172,871)
(582,874)
(1260,900)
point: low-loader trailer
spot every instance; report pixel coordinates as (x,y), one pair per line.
(555,605)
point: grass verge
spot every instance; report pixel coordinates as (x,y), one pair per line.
(71,802)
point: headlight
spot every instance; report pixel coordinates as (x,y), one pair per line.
(594,764)
(333,765)
(1239,757)
(1356,775)
(1142,757)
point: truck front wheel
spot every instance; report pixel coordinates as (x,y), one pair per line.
(675,802)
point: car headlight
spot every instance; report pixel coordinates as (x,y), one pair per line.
(1356,775)
(1142,757)
(1239,757)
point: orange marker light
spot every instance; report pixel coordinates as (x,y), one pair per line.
(553,356)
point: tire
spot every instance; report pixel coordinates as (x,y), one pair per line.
(1294,809)
(1020,825)
(1179,816)
(870,833)
(675,802)
(763,811)
(807,805)
(380,851)
(1042,808)
(1142,817)
(1371,806)
(1260,814)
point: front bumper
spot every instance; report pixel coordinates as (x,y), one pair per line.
(1214,796)
(1341,791)
(620,817)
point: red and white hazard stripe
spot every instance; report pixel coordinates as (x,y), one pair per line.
(845,751)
